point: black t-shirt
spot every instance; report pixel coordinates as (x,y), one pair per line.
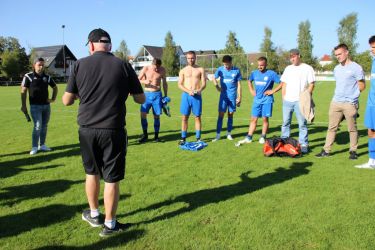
(38,87)
(103,83)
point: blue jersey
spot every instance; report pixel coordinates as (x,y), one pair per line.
(228,80)
(371,94)
(263,82)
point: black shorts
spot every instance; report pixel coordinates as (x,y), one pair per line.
(104,152)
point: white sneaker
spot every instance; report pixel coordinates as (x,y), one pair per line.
(366,166)
(229,137)
(262,140)
(34,150)
(244,141)
(44,148)
(216,138)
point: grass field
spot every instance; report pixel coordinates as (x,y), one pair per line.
(222,197)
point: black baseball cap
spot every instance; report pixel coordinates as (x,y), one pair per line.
(98,36)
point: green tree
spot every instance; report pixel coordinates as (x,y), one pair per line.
(282,59)
(305,45)
(122,52)
(347,33)
(10,66)
(10,50)
(233,48)
(170,58)
(269,49)
(364,59)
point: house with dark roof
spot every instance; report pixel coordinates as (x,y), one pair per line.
(54,59)
(147,53)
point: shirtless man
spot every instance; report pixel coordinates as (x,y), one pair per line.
(151,77)
(192,81)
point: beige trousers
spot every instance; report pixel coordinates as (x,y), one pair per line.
(337,111)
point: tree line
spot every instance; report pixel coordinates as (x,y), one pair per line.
(14,62)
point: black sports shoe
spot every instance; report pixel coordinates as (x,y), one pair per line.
(353,155)
(93,221)
(182,141)
(158,140)
(322,154)
(119,227)
(143,139)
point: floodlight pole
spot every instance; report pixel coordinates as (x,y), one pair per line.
(63,28)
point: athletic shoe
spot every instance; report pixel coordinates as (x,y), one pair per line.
(44,148)
(216,138)
(262,140)
(119,227)
(365,166)
(353,155)
(304,149)
(93,221)
(34,150)
(143,139)
(229,137)
(244,141)
(157,140)
(182,141)
(322,154)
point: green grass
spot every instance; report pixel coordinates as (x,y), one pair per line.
(222,197)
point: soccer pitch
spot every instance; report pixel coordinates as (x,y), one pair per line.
(223,197)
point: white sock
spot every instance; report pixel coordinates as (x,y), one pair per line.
(371,162)
(94,213)
(110,223)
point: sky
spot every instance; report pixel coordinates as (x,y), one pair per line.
(194,24)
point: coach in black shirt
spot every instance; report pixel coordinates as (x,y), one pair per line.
(102,82)
(36,83)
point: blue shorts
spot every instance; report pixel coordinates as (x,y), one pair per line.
(227,102)
(153,99)
(262,110)
(370,117)
(189,103)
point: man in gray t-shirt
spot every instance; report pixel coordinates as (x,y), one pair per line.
(350,82)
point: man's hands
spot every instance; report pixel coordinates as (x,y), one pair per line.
(24,109)
(218,87)
(195,92)
(269,92)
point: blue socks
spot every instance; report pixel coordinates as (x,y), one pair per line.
(144,124)
(157,125)
(230,124)
(219,124)
(250,137)
(371,148)
(183,134)
(197,134)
